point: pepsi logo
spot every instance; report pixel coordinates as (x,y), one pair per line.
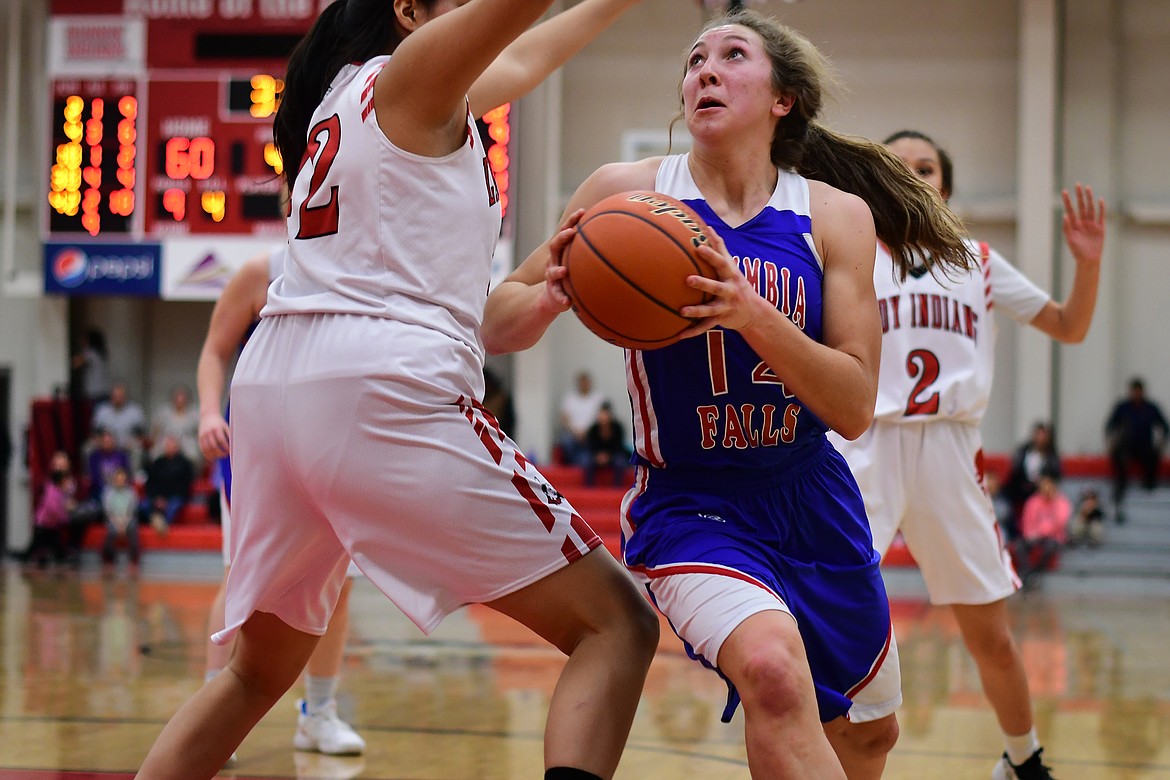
(70,267)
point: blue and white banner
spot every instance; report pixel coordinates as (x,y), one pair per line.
(102,269)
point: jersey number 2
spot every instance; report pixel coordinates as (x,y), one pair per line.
(922,363)
(317,221)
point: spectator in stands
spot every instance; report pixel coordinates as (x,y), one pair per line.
(498,401)
(106,458)
(578,411)
(1035,456)
(1043,526)
(1088,525)
(179,419)
(51,520)
(91,368)
(1135,431)
(1005,515)
(169,478)
(123,418)
(606,444)
(120,504)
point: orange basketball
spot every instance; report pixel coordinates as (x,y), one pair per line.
(628,265)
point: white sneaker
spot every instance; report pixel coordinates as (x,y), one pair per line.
(324,732)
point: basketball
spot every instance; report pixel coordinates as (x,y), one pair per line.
(627,268)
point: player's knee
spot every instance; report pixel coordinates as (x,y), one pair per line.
(640,624)
(871,739)
(772,678)
(996,650)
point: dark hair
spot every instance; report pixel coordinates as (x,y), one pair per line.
(909,216)
(346,31)
(96,340)
(1137,384)
(944,159)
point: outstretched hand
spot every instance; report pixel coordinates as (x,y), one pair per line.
(554,298)
(734,304)
(1084,224)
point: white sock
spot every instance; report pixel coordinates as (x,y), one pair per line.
(1021,748)
(319,691)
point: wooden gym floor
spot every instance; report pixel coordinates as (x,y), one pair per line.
(91,668)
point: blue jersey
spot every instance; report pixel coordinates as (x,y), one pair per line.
(710,401)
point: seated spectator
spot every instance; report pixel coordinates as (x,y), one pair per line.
(1043,527)
(1135,431)
(124,419)
(106,458)
(1088,524)
(498,401)
(578,411)
(1033,457)
(180,419)
(1005,516)
(81,512)
(169,478)
(51,520)
(120,504)
(606,444)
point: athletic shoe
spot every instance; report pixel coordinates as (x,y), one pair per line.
(317,766)
(1032,769)
(321,730)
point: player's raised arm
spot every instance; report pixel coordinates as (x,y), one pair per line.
(420,96)
(541,50)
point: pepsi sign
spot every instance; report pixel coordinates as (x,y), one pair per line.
(102,269)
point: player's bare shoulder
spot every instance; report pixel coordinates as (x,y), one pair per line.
(613,178)
(839,219)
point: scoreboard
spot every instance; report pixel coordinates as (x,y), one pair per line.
(161,176)
(161,141)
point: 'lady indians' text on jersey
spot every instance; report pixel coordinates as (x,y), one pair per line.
(938,335)
(711,401)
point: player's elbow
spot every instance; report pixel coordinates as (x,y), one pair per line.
(853,427)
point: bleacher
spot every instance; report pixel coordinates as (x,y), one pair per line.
(599,505)
(58,424)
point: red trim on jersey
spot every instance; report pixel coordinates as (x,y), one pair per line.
(873,670)
(645,411)
(985,262)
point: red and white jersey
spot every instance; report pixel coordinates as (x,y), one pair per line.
(380,231)
(938,335)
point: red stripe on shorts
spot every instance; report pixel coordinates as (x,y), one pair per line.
(538,507)
(873,670)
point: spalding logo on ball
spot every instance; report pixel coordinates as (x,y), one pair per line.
(627,268)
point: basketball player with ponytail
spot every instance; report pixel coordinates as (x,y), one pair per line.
(356,429)
(744,523)
(920,465)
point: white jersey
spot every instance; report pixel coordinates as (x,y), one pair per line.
(938,336)
(358,243)
(276,260)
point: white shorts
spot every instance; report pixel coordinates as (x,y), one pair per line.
(716,605)
(225,524)
(926,480)
(350,439)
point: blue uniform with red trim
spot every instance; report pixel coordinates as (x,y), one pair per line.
(736,476)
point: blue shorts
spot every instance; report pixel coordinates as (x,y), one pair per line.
(800,532)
